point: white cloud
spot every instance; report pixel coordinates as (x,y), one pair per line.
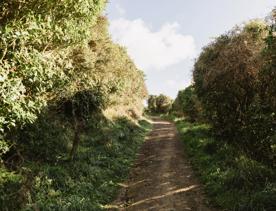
(149,49)
(171,83)
(121,11)
(178,84)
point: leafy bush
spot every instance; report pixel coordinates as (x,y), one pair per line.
(36,64)
(227,82)
(161,104)
(10,184)
(60,77)
(225,76)
(187,104)
(91,181)
(232,180)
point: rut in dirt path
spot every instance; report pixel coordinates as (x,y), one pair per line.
(162,178)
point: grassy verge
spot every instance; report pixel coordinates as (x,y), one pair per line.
(232,181)
(86,183)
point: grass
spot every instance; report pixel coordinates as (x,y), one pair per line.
(231,180)
(89,181)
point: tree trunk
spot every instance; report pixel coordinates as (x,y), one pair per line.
(76,139)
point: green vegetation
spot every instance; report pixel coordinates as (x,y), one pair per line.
(230,123)
(38,40)
(187,104)
(92,180)
(159,104)
(232,180)
(229,79)
(70,103)
(104,157)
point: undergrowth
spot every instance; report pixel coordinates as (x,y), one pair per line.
(232,180)
(88,182)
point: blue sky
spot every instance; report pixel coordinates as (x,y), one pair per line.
(165,36)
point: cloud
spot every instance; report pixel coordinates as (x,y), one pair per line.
(121,11)
(171,83)
(178,84)
(153,49)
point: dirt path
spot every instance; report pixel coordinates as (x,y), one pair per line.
(162,178)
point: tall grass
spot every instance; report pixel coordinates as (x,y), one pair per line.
(232,180)
(90,181)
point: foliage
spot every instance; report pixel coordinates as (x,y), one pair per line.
(106,152)
(109,73)
(228,78)
(267,88)
(59,73)
(10,184)
(232,180)
(187,104)
(36,64)
(225,77)
(234,80)
(160,104)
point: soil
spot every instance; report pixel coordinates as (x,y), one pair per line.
(161,178)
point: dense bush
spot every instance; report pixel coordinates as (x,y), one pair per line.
(160,104)
(187,104)
(225,76)
(267,89)
(36,58)
(234,152)
(91,181)
(232,180)
(60,77)
(50,54)
(228,78)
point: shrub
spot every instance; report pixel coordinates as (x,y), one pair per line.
(161,104)
(227,78)
(59,73)
(37,41)
(232,180)
(187,104)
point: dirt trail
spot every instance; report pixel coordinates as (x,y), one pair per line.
(162,178)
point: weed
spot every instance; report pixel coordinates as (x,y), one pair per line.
(232,180)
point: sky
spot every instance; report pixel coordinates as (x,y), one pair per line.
(164,37)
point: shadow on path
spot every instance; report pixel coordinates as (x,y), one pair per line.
(162,178)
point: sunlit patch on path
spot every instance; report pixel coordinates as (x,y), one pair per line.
(162,178)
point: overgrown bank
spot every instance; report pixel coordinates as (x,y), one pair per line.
(233,94)
(104,157)
(70,99)
(232,180)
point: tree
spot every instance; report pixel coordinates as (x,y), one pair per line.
(227,82)
(187,104)
(160,104)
